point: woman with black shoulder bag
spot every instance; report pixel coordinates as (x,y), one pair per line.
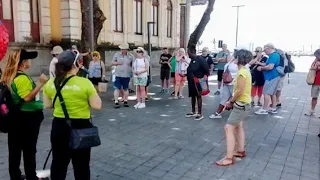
(71,98)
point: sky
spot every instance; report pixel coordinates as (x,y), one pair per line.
(288,24)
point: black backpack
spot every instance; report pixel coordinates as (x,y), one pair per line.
(291,67)
(7,107)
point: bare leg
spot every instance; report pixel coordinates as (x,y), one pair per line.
(267,99)
(176,89)
(314,103)
(240,137)
(142,94)
(125,95)
(138,93)
(220,108)
(278,94)
(230,139)
(274,101)
(181,89)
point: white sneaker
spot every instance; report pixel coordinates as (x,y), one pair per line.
(137,105)
(309,113)
(273,111)
(261,112)
(215,116)
(142,105)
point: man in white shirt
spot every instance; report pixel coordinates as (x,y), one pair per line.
(55,52)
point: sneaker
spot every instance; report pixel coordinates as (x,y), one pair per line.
(136,106)
(310,113)
(161,91)
(273,111)
(252,104)
(141,106)
(181,97)
(261,112)
(217,93)
(125,104)
(188,115)
(172,94)
(116,105)
(166,91)
(131,91)
(198,117)
(259,104)
(176,97)
(215,116)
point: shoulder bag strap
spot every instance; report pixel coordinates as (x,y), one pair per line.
(59,95)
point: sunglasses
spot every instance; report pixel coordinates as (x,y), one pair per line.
(139,51)
(77,56)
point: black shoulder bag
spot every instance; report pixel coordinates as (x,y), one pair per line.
(79,138)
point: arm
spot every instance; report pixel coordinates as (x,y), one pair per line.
(241,84)
(103,69)
(47,102)
(267,67)
(94,99)
(25,89)
(115,60)
(85,54)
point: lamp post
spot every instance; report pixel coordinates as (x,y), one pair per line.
(91,23)
(238,6)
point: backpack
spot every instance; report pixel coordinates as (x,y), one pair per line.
(291,67)
(281,67)
(7,107)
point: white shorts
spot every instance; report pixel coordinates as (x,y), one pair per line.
(226,93)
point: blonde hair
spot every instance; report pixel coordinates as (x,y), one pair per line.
(11,68)
(96,53)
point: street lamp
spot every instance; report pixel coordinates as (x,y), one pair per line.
(149,44)
(238,6)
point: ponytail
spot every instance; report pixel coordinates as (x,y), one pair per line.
(60,72)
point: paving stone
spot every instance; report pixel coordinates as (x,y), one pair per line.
(143,169)
(157,172)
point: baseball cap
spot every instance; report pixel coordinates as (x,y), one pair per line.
(68,58)
(25,55)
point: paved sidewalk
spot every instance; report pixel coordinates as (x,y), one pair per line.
(159,143)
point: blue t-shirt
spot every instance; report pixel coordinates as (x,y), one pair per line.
(274,58)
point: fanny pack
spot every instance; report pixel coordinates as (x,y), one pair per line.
(79,138)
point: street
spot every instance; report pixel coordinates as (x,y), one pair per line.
(159,143)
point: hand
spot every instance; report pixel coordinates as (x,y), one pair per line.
(229,105)
(136,73)
(259,68)
(43,78)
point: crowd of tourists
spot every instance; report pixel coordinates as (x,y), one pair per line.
(245,79)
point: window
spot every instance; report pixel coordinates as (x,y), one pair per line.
(117,15)
(155,17)
(137,14)
(169,18)
(34,16)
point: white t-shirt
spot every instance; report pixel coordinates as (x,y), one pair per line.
(139,64)
(233,68)
(52,67)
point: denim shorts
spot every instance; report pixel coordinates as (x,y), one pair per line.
(121,83)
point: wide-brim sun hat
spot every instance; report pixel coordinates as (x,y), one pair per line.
(124,46)
(57,50)
(139,49)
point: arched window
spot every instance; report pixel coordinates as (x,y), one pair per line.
(155,17)
(117,15)
(169,18)
(34,16)
(6,16)
(137,14)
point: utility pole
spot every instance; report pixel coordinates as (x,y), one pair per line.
(91,24)
(238,6)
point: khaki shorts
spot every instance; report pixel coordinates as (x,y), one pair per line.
(238,115)
(281,82)
(315,90)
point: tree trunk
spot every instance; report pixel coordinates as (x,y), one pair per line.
(98,20)
(197,33)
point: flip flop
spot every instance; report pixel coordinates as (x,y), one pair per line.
(221,162)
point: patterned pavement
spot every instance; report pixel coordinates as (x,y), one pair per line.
(159,143)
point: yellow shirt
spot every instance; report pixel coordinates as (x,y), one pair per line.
(76,94)
(246,96)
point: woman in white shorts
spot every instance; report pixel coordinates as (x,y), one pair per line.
(140,67)
(227,89)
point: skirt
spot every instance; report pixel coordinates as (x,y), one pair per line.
(140,81)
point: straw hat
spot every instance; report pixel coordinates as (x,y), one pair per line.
(57,50)
(124,46)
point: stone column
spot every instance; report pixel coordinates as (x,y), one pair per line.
(22,20)
(45,21)
(71,19)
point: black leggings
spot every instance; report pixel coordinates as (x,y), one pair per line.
(62,154)
(193,104)
(22,138)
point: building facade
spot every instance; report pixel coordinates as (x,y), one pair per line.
(42,21)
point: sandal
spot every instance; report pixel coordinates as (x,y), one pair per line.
(240,154)
(222,162)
